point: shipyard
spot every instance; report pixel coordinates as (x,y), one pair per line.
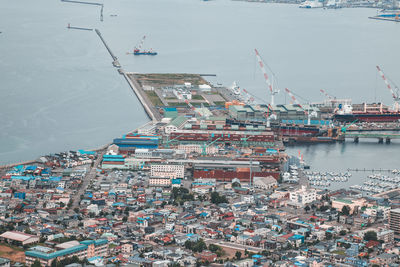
(214,169)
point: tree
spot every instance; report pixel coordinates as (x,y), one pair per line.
(217,199)
(370,235)
(328,235)
(238,255)
(307,208)
(36,263)
(236,184)
(346,210)
(55,263)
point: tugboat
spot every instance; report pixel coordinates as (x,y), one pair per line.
(138,49)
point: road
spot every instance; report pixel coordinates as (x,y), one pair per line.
(90,175)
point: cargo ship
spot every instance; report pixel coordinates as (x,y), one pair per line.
(144,52)
(369,113)
(282,129)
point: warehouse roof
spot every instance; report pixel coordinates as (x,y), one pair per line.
(178,121)
(18,236)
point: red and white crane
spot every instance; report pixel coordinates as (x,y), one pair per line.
(309,115)
(271,116)
(139,47)
(247,98)
(326,94)
(272,90)
(395,92)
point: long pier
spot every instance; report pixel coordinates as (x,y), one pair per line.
(386,18)
(115,59)
(82,2)
(105,44)
(148,107)
(78,28)
(380,136)
(135,86)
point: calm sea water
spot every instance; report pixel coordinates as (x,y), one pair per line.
(59,90)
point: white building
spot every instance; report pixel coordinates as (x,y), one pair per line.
(182,94)
(204,88)
(172,171)
(190,148)
(159,181)
(203,189)
(147,129)
(303,195)
(374,211)
(265,182)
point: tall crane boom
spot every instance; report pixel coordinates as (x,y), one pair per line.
(326,94)
(295,100)
(141,43)
(395,93)
(269,84)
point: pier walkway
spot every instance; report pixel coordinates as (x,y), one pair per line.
(115,59)
(151,111)
(137,89)
(82,2)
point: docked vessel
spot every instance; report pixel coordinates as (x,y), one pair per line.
(311,4)
(370,113)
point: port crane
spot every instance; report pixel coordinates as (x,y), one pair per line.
(193,108)
(205,145)
(330,97)
(395,92)
(139,47)
(272,90)
(271,116)
(308,114)
(168,141)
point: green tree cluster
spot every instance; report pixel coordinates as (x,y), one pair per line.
(181,195)
(197,246)
(370,235)
(216,198)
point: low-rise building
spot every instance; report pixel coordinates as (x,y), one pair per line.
(172,171)
(5,262)
(265,182)
(86,249)
(159,181)
(19,237)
